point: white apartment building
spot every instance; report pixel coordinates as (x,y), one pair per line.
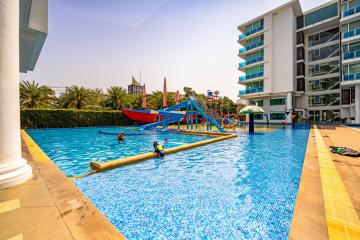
(306,63)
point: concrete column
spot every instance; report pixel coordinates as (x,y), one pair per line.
(13,169)
(357,104)
(289,106)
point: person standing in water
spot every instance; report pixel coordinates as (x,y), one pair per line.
(121,137)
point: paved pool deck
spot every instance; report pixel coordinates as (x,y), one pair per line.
(49,206)
(328,201)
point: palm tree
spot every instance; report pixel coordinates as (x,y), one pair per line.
(117,97)
(155,100)
(98,98)
(76,97)
(34,96)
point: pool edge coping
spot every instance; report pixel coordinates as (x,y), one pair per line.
(82,218)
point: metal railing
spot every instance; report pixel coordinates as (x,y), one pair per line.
(209,112)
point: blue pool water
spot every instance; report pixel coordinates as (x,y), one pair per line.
(73,149)
(242,188)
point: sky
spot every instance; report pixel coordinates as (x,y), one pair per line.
(103,43)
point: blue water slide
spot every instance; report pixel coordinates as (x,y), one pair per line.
(168,118)
(171,116)
(206,114)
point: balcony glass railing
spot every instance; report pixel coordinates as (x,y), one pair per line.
(241,65)
(351,11)
(248,33)
(242,50)
(251,76)
(255,45)
(351,77)
(242,36)
(352,33)
(252,61)
(250,91)
(255,60)
(351,55)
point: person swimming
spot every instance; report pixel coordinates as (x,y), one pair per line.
(121,137)
(159,149)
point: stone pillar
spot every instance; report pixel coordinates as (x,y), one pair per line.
(289,106)
(357,104)
(13,169)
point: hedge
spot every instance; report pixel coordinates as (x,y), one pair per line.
(66,118)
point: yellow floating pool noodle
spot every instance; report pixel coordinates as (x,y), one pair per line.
(104,166)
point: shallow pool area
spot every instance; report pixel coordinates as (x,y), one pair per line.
(72,149)
(242,188)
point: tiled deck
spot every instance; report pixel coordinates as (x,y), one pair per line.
(328,200)
(49,206)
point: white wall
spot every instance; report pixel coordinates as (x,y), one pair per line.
(283,55)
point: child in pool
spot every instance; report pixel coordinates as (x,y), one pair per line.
(121,137)
(159,149)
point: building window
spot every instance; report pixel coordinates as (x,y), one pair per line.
(321,14)
(316,99)
(259,103)
(316,37)
(277,116)
(277,101)
(258,116)
(254,27)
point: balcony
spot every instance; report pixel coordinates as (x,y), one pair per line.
(242,36)
(253,61)
(351,33)
(351,11)
(351,77)
(251,76)
(255,45)
(351,55)
(324,100)
(243,64)
(251,32)
(250,91)
(242,50)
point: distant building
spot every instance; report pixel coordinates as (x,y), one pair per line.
(135,88)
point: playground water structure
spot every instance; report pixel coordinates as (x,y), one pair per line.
(193,107)
(235,189)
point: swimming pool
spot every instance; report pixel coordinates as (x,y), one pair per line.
(72,149)
(242,188)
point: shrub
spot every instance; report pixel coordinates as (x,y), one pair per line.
(66,118)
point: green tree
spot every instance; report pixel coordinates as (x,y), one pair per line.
(189,92)
(134,101)
(98,98)
(34,96)
(154,100)
(117,98)
(76,97)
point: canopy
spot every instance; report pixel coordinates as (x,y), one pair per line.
(251,109)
